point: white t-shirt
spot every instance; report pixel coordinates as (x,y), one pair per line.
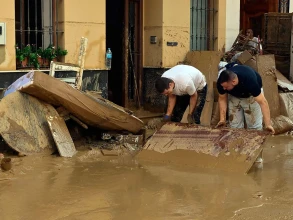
(187,79)
(253,43)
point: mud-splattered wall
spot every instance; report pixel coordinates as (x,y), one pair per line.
(153,18)
(169,21)
(176,28)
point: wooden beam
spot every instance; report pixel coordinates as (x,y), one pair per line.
(125,52)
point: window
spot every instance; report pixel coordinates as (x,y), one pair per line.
(202,24)
(36,22)
(284,6)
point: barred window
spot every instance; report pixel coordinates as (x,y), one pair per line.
(36,23)
(202,24)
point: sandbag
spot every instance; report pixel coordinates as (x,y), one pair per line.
(282,124)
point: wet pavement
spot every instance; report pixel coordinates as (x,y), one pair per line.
(89,186)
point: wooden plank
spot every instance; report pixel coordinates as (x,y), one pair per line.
(266,68)
(81,59)
(61,134)
(207,111)
(205,61)
(244,57)
(96,95)
(226,149)
(283,82)
(23,124)
(251,63)
(291,52)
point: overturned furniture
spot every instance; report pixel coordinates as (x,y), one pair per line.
(90,111)
(224,149)
(30,126)
(78,68)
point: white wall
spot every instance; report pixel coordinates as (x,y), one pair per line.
(290,6)
(232,21)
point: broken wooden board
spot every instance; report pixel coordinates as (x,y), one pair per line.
(283,82)
(60,134)
(266,68)
(207,111)
(205,61)
(23,124)
(227,149)
(244,57)
(90,111)
(118,107)
(251,63)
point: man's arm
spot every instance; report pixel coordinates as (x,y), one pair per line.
(171,104)
(223,101)
(192,103)
(265,109)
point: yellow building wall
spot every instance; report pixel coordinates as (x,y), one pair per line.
(221,24)
(168,20)
(176,28)
(153,18)
(7,52)
(85,19)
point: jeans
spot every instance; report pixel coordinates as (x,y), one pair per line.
(183,101)
(247,109)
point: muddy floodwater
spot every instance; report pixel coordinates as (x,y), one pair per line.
(89,186)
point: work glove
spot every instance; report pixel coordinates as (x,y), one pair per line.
(157,123)
(166,118)
(221,124)
(190,119)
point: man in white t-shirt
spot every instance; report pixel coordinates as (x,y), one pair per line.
(184,85)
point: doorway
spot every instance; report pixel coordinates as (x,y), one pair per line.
(124,37)
(251,14)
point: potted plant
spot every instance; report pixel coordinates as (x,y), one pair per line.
(33,60)
(22,55)
(42,57)
(49,53)
(60,53)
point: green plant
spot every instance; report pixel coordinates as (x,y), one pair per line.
(60,52)
(49,53)
(33,60)
(22,53)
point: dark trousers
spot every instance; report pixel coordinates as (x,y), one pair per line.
(183,101)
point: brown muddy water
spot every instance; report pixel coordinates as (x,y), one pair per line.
(89,186)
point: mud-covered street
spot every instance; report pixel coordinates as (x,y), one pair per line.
(89,186)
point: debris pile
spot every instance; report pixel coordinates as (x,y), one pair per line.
(243,43)
(36,109)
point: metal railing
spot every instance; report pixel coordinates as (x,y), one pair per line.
(203,19)
(36,23)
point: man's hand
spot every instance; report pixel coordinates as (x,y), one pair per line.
(166,118)
(190,119)
(270,129)
(221,124)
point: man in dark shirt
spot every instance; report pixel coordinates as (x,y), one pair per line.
(242,86)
